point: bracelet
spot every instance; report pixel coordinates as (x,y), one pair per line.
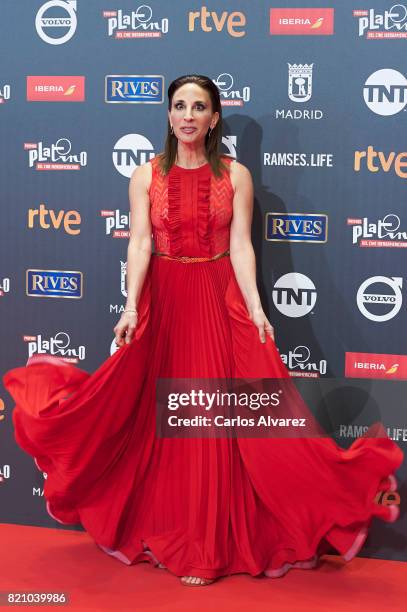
(129,310)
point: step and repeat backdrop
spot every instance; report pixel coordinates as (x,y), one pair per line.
(314,103)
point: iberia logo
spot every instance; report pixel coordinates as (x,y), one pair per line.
(56,88)
(302,21)
(375,365)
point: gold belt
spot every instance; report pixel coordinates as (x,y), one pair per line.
(186,259)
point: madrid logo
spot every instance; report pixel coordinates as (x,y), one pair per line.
(294,294)
(57,16)
(379,298)
(300,82)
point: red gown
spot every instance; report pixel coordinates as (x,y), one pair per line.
(204,507)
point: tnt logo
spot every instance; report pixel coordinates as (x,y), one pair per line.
(385,92)
(130,151)
(294,295)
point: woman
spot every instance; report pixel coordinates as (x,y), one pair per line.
(202,508)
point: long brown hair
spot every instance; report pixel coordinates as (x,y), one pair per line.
(166,159)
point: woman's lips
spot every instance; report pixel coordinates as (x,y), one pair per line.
(188,130)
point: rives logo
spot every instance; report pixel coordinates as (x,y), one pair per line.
(134,89)
(54,283)
(296,227)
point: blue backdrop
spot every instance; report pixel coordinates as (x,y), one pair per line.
(314,102)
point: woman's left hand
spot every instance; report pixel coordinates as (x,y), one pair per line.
(262,323)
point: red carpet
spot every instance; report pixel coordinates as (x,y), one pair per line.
(39,559)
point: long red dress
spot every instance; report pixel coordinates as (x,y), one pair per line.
(204,507)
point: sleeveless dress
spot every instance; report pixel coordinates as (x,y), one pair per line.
(203,507)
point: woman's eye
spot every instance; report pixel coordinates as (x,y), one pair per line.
(180,105)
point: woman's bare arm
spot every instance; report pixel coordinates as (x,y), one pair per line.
(138,251)
(241,249)
(140,242)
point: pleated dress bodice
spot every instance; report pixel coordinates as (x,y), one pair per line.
(191,210)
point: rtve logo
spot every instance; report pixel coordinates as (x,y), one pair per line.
(377,160)
(207,19)
(47,219)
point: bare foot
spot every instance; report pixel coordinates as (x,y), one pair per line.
(195,581)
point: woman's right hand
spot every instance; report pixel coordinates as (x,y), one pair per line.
(125,328)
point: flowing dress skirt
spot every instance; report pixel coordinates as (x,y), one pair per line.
(204,507)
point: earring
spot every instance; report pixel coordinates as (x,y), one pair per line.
(172,130)
(209,132)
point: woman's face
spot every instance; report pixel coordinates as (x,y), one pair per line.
(191,113)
